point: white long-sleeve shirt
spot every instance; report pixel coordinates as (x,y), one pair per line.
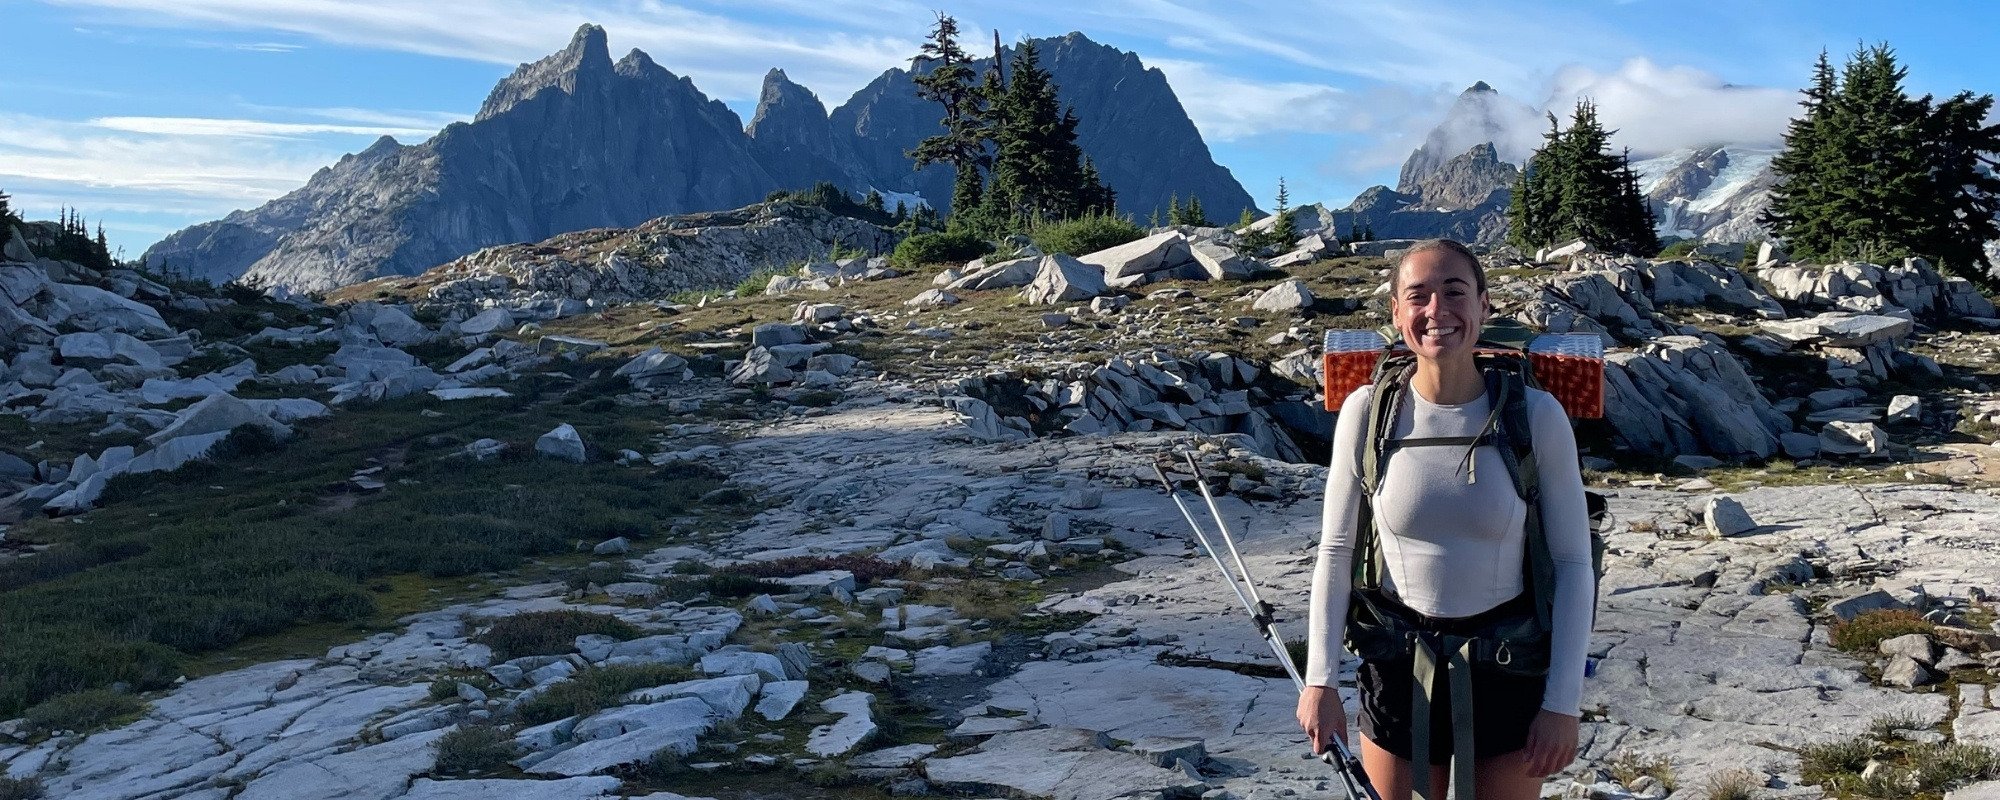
(1453,548)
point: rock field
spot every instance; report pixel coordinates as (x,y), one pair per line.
(1044,626)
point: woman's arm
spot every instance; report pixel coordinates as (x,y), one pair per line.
(1566,526)
(1333,573)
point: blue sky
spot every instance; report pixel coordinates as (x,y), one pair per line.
(152,115)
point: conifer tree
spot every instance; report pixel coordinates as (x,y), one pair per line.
(1174,213)
(1195,215)
(1098,197)
(1963,153)
(1575,188)
(1799,210)
(1284,231)
(1870,173)
(1039,171)
(962,144)
(7,216)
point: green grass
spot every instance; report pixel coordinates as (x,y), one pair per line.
(549,633)
(1925,771)
(1867,630)
(1085,235)
(1629,766)
(20,789)
(475,750)
(215,554)
(1735,784)
(83,712)
(867,569)
(598,688)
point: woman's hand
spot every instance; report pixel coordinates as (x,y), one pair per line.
(1323,717)
(1551,742)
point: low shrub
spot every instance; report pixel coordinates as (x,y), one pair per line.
(737,584)
(602,574)
(1866,631)
(1830,763)
(754,284)
(1939,768)
(443,689)
(596,689)
(1733,784)
(866,569)
(475,750)
(549,633)
(830,775)
(1085,235)
(83,711)
(1890,727)
(1676,250)
(20,788)
(938,248)
(1629,766)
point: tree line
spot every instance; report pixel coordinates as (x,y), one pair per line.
(69,238)
(1867,172)
(1870,173)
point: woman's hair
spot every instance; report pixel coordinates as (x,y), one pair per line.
(1464,253)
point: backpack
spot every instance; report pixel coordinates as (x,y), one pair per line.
(1509,373)
(1515,643)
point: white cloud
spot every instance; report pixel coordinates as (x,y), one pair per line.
(1226,108)
(246,128)
(1657,109)
(152,172)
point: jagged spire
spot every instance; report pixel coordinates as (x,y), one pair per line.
(588,53)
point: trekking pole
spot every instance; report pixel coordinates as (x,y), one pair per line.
(1344,762)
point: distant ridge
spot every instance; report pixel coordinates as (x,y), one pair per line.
(576,141)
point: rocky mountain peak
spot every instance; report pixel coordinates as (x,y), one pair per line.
(587,54)
(636,63)
(1467,180)
(381,147)
(1480,115)
(782,99)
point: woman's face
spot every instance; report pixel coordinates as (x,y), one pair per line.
(1439,308)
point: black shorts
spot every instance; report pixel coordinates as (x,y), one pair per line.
(1503,705)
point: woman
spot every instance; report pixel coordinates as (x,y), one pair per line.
(1452,541)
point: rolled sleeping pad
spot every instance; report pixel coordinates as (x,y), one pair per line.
(1567,365)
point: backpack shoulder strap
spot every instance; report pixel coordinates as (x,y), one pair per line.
(1538,566)
(1383,407)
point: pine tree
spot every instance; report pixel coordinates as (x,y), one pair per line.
(1799,211)
(1575,188)
(1963,154)
(1870,173)
(1098,198)
(874,202)
(1174,213)
(7,216)
(1284,231)
(1195,215)
(963,142)
(1039,171)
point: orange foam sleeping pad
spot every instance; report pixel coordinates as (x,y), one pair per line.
(1576,381)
